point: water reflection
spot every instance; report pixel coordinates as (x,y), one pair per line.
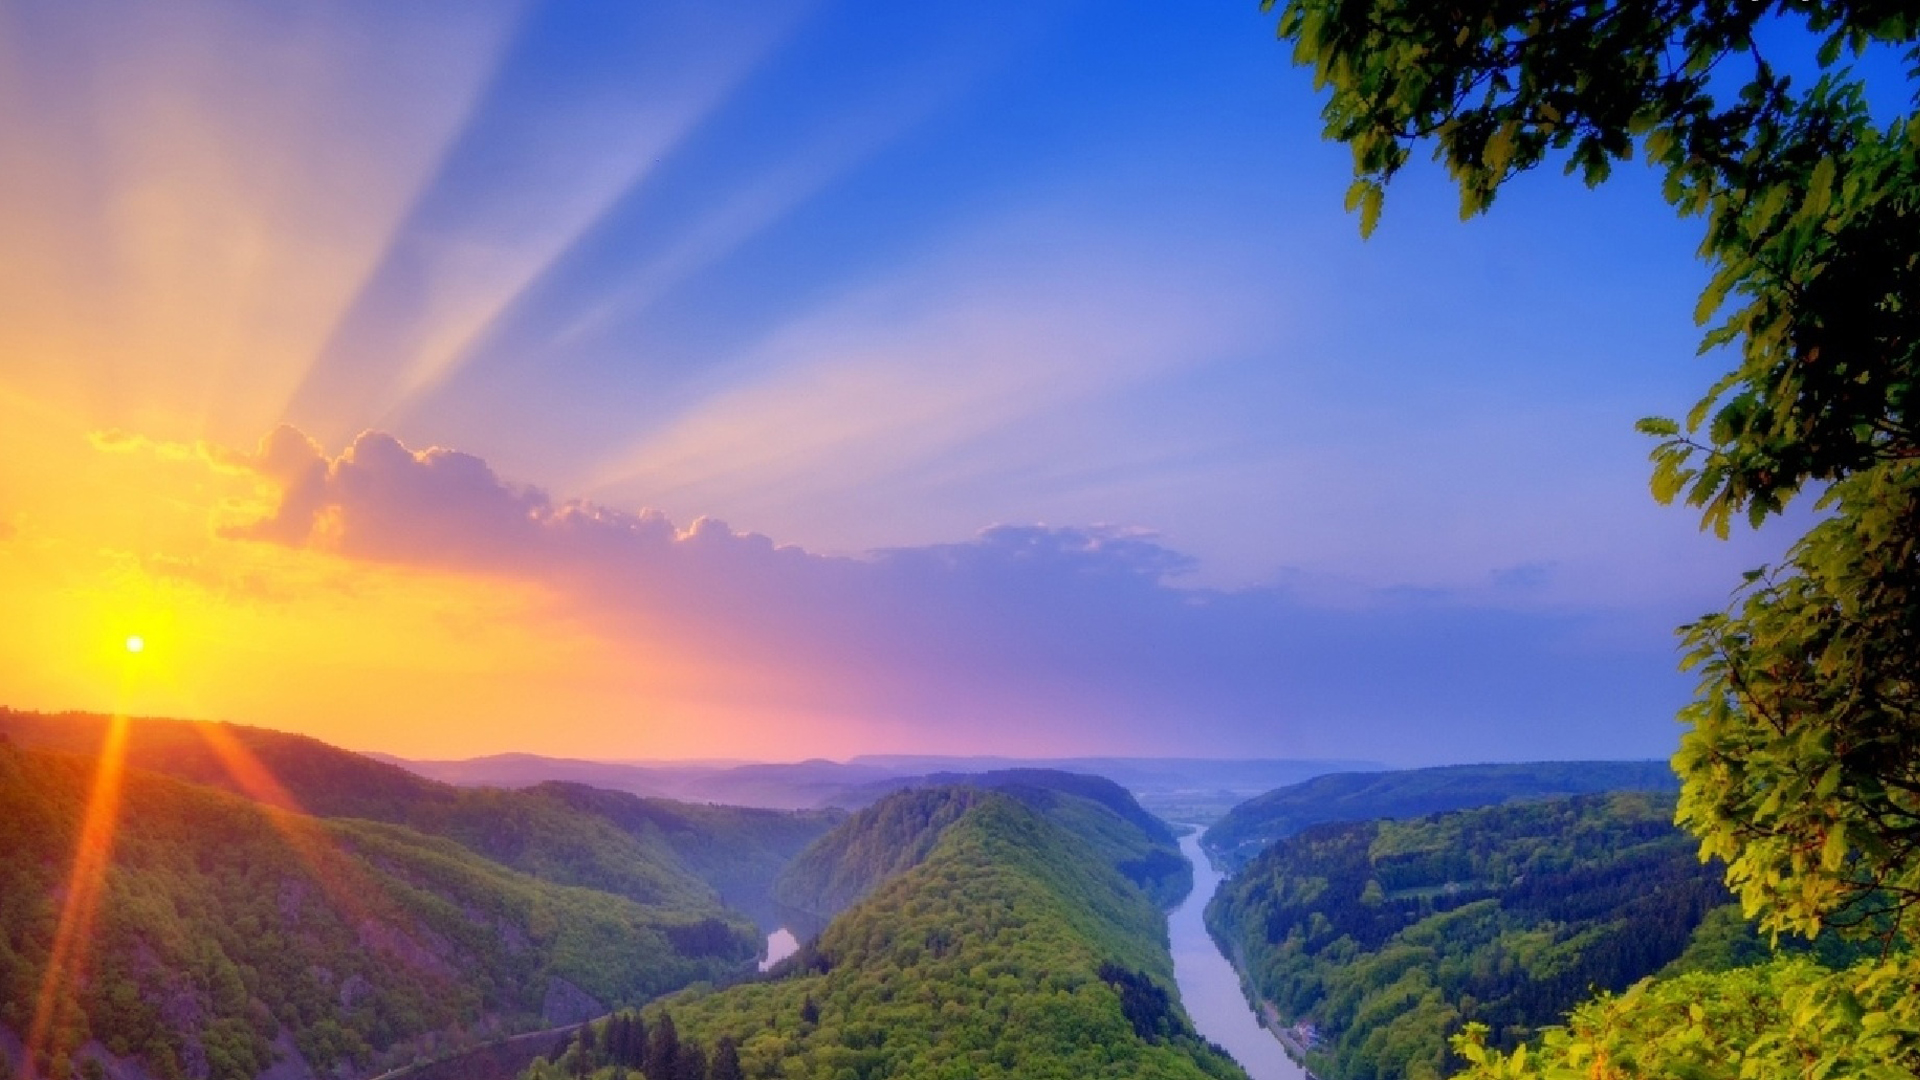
(1210,988)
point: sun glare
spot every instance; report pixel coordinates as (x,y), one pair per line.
(136,643)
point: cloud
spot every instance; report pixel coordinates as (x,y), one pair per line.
(976,384)
(116,441)
(1025,635)
(381,501)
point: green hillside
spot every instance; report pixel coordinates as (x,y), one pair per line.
(738,851)
(652,851)
(886,839)
(1088,786)
(895,834)
(1386,937)
(1408,793)
(229,933)
(1012,949)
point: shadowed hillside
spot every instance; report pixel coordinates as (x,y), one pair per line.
(1408,793)
(653,851)
(227,934)
(737,850)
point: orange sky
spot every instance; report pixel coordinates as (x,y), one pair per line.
(103,544)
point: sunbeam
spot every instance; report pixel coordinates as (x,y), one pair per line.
(519,189)
(348,887)
(72,939)
(194,208)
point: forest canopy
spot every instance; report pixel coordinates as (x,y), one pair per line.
(1384,937)
(1011,946)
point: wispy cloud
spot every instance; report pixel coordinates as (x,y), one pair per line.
(896,377)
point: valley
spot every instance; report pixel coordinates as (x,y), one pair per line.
(1210,987)
(267,907)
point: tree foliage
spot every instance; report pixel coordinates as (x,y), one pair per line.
(1810,209)
(1801,765)
(652,851)
(1249,828)
(1790,1017)
(897,833)
(1382,938)
(1801,762)
(224,926)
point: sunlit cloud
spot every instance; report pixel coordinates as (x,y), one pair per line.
(1054,638)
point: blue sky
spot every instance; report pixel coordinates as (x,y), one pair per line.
(871,278)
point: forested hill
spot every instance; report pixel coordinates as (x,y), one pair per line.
(228,935)
(1097,789)
(739,851)
(1386,937)
(896,833)
(1013,949)
(649,850)
(1248,828)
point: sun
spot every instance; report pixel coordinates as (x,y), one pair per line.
(136,643)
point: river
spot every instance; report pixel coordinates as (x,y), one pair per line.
(1210,988)
(780,944)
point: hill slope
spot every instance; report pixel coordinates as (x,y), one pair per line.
(896,833)
(1408,793)
(229,934)
(738,851)
(1387,936)
(652,851)
(1011,950)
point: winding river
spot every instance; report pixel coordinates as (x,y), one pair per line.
(1210,988)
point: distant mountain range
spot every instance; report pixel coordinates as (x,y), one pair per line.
(1177,789)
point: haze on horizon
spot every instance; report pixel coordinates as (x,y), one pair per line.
(809,379)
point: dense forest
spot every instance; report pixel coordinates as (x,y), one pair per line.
(652,851)
(738,851)
(1248,828)
(898,832)
(228,933)
(1014,948)
(1386,937)
(401,919)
